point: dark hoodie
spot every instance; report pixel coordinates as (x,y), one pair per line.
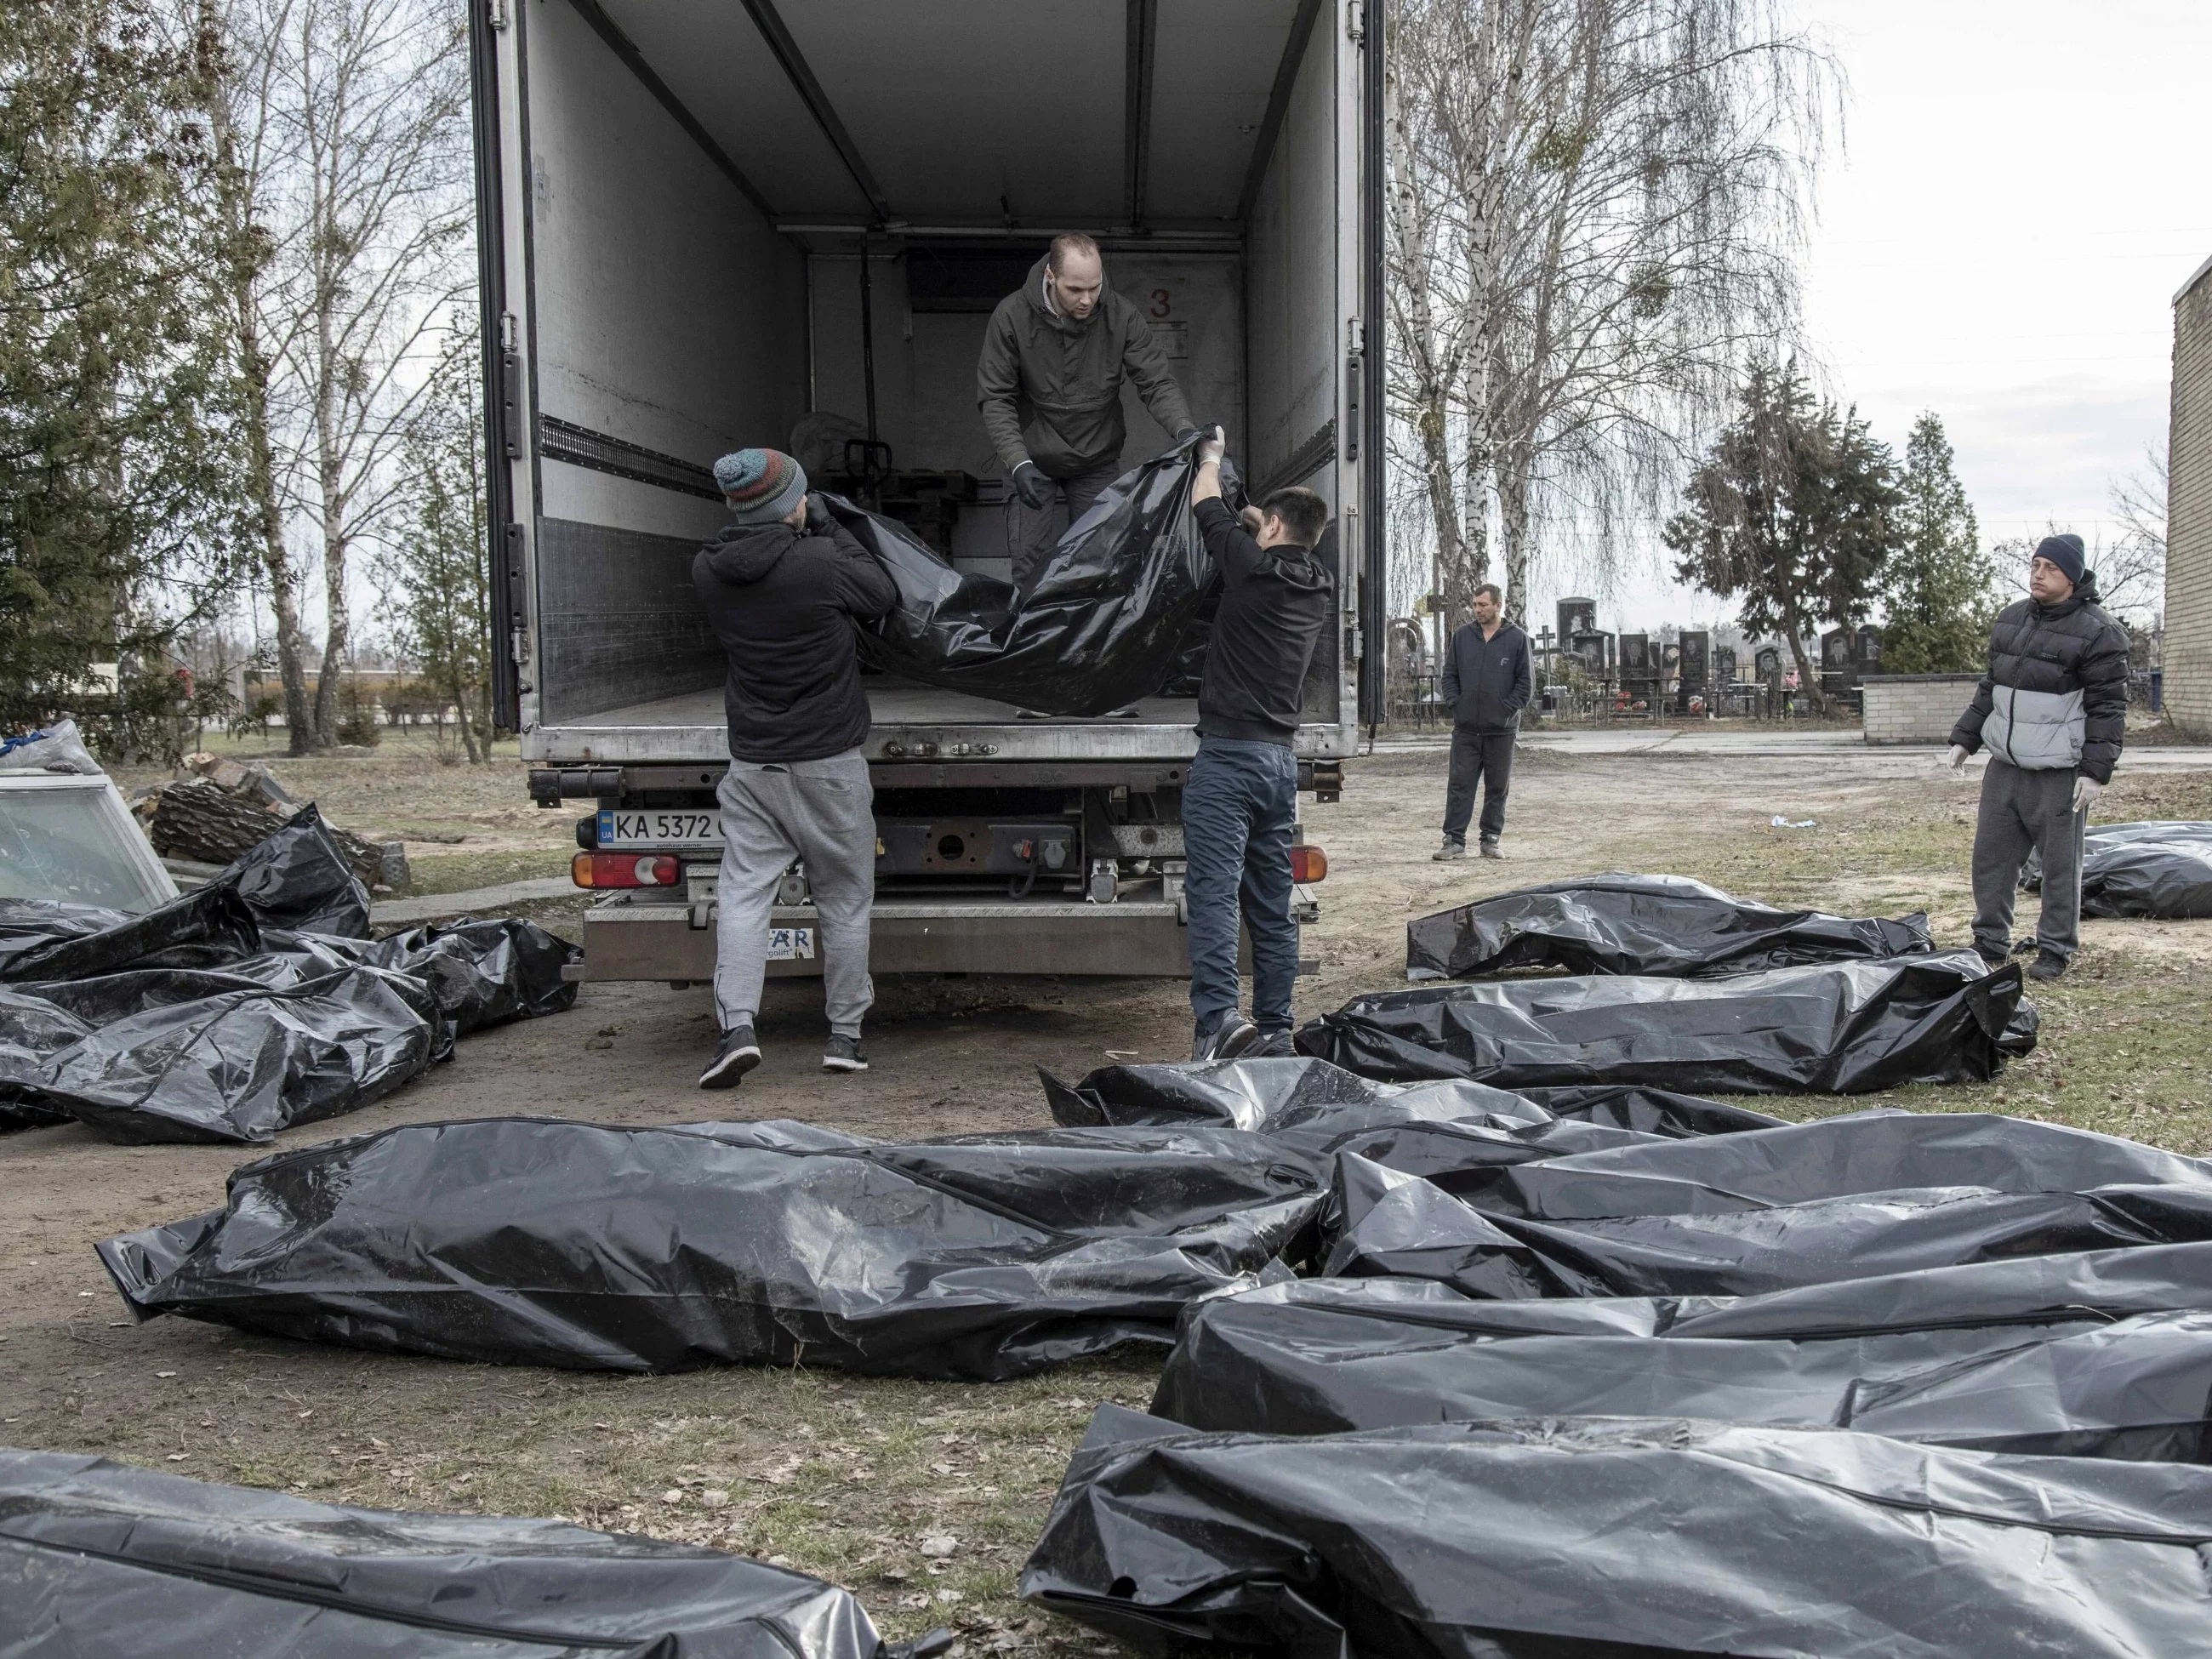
(783,602)
(1274,602)
(1050,387)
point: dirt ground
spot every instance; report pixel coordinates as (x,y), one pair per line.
(846,1477)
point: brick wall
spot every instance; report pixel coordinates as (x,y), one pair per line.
(2189,513)
(1915,708)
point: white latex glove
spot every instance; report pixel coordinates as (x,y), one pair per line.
(1956,760)
(2086,791)
(1212,448)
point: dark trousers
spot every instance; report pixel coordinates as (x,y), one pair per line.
(2023,810)
(1484,758)
(1032,533)
(1239,808)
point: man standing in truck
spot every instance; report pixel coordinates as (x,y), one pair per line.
(1240,801)
(781,587)
(1050,385)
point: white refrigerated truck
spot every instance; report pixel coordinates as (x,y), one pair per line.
(704,222)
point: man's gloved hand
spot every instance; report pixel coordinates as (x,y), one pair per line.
(1032,486)
(2086,791)
(1956,760)
(818,513)
(1212,447)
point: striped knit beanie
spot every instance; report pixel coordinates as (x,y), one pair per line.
(762,485)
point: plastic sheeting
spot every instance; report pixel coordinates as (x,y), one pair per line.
(1104,627)
(235,1054)
(2161,870)
(1844,1028)
(101,1558)
(1632,924)
(540,1242)
(2104,1354)
(45,939)
(297,878)
(1841,1199)
(1607,1538)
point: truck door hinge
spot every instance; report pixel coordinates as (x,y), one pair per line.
(1355,22)
(510,396)
(1355,335)
(496,13)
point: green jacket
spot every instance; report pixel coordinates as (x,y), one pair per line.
(1050,388)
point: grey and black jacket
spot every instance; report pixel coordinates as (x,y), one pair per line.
(2056,695)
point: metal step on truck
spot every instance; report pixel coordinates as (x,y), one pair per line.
(712,223)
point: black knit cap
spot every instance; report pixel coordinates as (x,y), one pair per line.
(2067,553)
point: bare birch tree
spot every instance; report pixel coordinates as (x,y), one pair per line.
(1594,210)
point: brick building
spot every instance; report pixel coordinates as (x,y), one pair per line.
(2188,512)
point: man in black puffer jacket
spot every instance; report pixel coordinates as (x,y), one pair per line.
(2052,709)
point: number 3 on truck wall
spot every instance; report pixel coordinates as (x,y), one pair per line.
(1159,302)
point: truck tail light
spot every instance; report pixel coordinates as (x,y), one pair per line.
(626,870)
(1308,864)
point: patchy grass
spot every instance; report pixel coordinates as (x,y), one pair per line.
(458,873)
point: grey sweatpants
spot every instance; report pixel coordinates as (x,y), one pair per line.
(822,812)
(2023,810)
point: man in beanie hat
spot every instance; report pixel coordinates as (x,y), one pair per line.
(2051,709)
(782,587)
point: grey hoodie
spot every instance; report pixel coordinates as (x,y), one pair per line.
(1050,387)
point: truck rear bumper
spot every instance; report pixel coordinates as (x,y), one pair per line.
(624,940)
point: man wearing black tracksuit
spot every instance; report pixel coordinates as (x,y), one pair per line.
(1489,678)
(2051,710)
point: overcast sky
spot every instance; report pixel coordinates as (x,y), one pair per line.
(2022,187)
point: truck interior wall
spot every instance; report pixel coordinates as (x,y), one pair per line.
(926,369)
(1291,242)
(639,243)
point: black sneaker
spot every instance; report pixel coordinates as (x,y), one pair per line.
(738,1054)
(1991,958)
(1273,1042)
(1232,1034)
(843,1053)
(2049,964)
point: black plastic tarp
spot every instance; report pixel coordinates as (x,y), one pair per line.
(1839,1028)
(52,939)
(297,878)
(559,1244)
(1841,1199)
(234,1053)
(1634,924)
(1621,1538)
(2105,1354)
(2159,870)
(1281,1097)
(1103,626)
(100,1557)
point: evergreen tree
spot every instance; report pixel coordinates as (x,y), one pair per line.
(118,501)
(438,577)
(1938,585)
(1792,512)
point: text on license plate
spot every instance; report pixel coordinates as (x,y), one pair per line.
(619,828)
(790,945)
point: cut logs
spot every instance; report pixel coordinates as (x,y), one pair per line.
(200,820)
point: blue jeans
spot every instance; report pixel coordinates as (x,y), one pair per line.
(1238,808)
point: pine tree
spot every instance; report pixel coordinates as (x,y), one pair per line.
(1792,511)
(438,578)
(118,501)
(1938,582)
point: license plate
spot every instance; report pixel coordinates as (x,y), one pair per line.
(790,945)
(656,828)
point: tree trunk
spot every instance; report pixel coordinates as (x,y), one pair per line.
(330,478)
(1809,680)
(1513,469)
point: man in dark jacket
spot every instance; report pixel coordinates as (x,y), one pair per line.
(1050,385)
(781,587)
(1489,678)
(2052,710)
(1240,803)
